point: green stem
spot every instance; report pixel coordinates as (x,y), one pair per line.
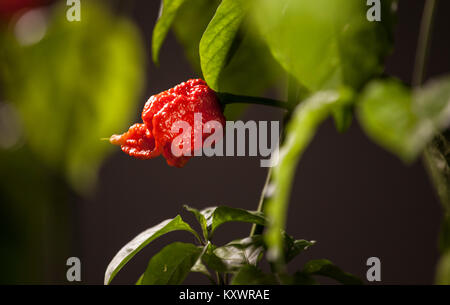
(428,160)
(424,42)
(220,279)
(257,229)
(228,98)
(293,94)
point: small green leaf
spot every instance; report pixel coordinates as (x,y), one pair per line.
(218,39)
(216,216)
(200,218)
(299,132)
(326,268)
(295,247)
(172,264)
(402,121)
(200,268)
(168,11)
(251,275)
(139,242)
(236,254)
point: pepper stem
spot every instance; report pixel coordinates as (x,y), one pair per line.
(228,98)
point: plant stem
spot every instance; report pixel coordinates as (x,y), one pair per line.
(430,163)
(220,279)
(255,228)
(228,98)
(424,42)
(293,94)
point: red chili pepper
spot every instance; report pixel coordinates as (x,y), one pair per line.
(155,136)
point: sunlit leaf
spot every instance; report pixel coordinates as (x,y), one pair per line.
(325,43)
(168,12)
(139,242)
(171,265)
(403,121)
(299,132)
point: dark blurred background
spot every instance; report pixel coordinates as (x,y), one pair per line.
(355,199)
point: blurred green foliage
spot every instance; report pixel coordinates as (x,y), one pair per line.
(324,43)
(405,121)
(77,84)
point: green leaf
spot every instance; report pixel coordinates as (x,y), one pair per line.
(189,27)
(295,247)
(139,242)
(248,58)
(402,121)
(299,132)
(326,268)
(251,275)
(216,216)
(200,267)
(236,254)
(171,265)
(213,261)
(168,11)
(200,218)
(218,39)
(325,43)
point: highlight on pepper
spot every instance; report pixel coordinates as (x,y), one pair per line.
(162,111)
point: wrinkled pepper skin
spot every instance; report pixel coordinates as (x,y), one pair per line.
(154,137)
